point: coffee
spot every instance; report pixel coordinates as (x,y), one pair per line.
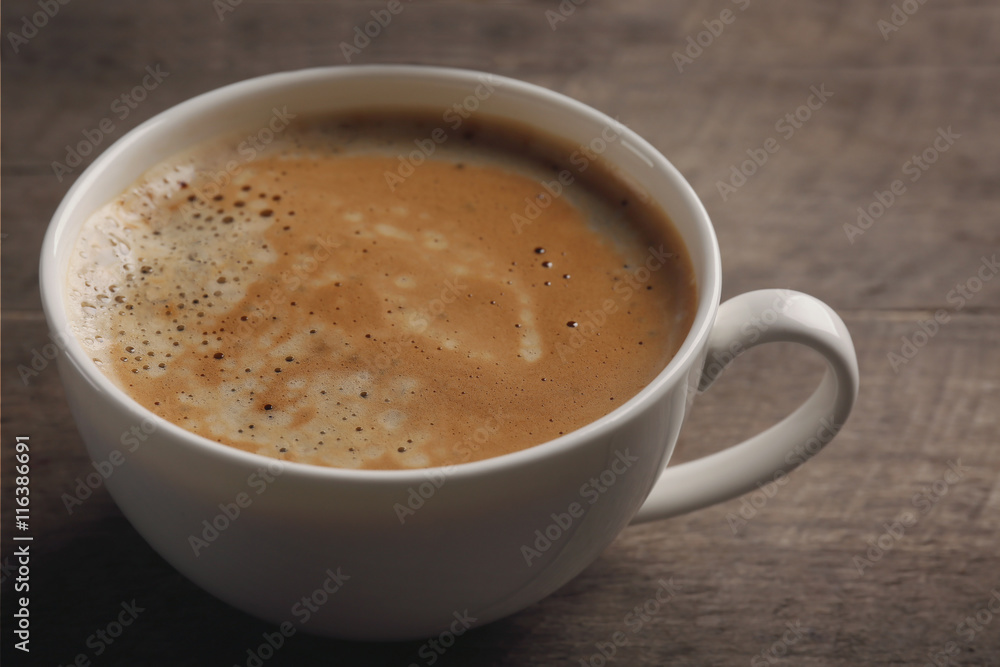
(382,290)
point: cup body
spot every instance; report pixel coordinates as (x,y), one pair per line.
(379,555)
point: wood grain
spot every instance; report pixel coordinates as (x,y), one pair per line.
(795,560)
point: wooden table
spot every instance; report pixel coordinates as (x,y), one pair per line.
(803,558)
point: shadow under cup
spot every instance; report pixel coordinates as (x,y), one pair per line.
(324,549)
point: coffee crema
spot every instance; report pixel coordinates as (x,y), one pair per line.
(329,298)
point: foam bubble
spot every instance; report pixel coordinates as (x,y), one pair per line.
(435,240)
(393,232)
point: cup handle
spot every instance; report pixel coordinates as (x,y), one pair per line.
(745,321)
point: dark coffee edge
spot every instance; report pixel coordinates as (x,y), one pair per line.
(520,142)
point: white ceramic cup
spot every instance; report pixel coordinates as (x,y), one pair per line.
(329,550)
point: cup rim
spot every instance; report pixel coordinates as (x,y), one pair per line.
(52,280)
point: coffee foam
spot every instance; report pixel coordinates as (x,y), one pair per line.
(298,307)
